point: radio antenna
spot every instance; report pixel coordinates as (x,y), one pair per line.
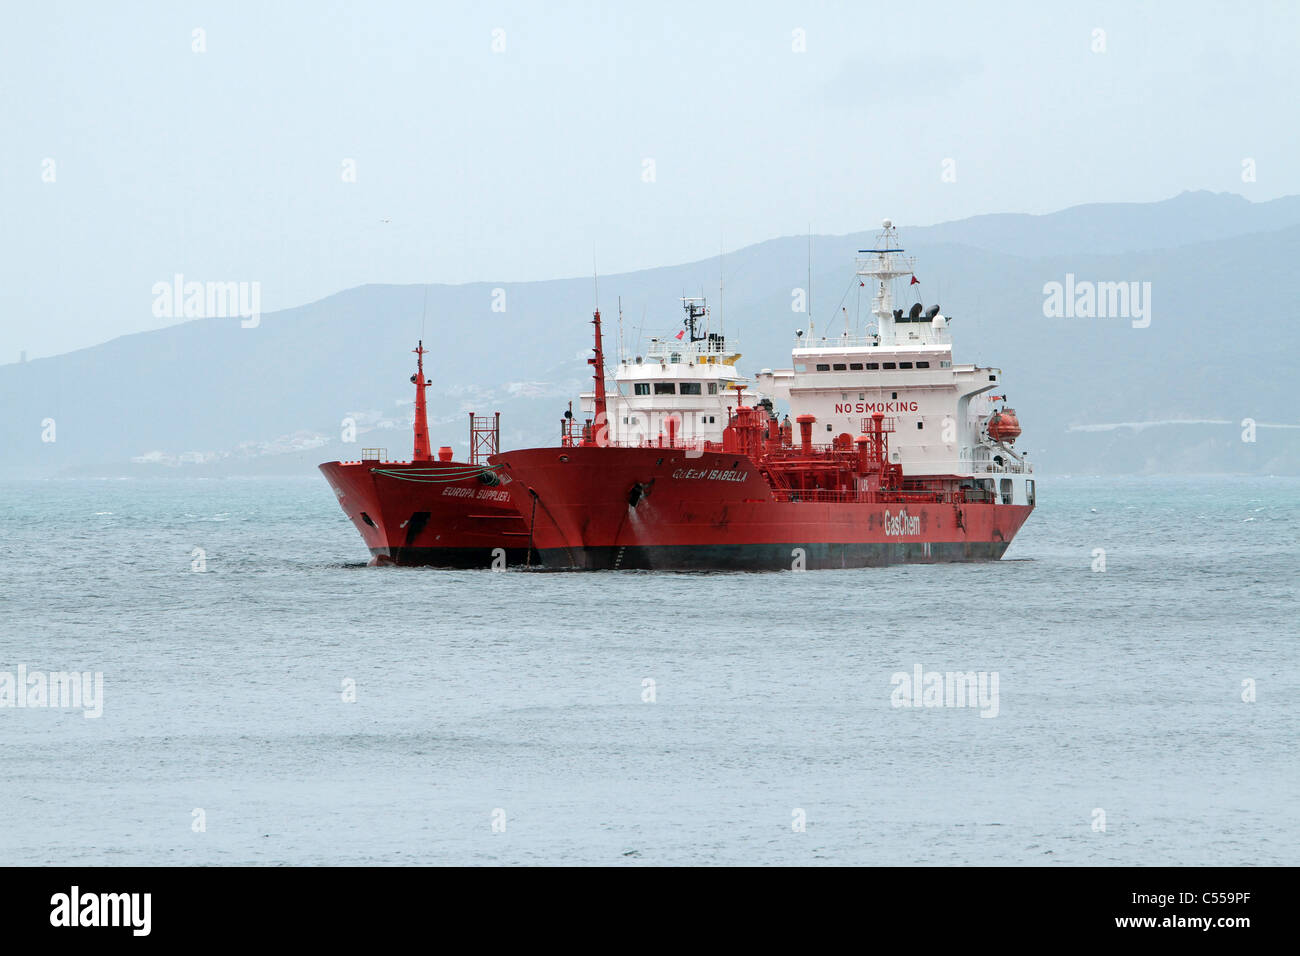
(810,308)
(424,310)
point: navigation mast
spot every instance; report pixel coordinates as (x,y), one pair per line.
(887,265)
(421,451)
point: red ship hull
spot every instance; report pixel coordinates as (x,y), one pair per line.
(434,513)
(661,509)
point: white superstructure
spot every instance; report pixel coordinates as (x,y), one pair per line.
(683,385)
(905,370)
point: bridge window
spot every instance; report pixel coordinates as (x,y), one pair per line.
(823,368)
(713,388)
(922,364)
(904,364)
(993,378)
(641,388)
(920,425)
(841,367)
(690,388)
(889,365)
(872,366)
(665,388)
(855,366)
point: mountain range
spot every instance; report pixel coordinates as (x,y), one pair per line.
(1203,388)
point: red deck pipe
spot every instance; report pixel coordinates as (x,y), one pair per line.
(805,432)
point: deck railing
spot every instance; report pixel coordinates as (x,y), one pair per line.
(819,496)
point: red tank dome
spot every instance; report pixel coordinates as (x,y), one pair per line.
(1004,426)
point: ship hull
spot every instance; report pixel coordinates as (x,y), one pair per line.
(661,509)
(429,513)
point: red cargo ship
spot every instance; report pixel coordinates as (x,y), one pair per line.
(442,513)
(458,514)
(935,480)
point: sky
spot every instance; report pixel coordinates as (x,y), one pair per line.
(313,147)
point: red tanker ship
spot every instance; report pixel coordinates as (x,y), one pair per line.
(442,513)
(459,514)
(936,480)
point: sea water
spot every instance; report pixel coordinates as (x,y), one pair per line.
(267,698)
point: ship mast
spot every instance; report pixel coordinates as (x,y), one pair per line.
(694,313)
(598,361)
(421,452)
(886,266)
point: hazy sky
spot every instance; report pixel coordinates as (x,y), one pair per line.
(513,164)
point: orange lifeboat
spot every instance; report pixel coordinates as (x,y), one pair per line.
(1004,426)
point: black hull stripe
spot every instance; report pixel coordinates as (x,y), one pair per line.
(448,557)
(771,557)
(734,557)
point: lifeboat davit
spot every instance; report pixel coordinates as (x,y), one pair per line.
(1004,426)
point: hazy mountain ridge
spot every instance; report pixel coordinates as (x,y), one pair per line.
(274,398)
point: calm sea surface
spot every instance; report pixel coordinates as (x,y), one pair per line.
(519,699)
